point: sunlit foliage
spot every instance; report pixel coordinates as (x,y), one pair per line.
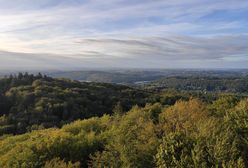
(169,131)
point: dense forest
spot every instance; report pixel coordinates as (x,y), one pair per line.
(29,102)
(61,123)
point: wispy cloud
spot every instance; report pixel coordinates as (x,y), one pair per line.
(147,32)
(150,52)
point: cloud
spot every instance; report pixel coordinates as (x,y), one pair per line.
(123,33)
(151,52)
(171,47)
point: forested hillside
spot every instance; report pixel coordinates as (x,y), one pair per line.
(202,84)
(62,123)
(30,102)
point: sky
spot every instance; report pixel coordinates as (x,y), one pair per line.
(74,34)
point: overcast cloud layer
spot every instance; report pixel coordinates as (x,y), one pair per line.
(68,34)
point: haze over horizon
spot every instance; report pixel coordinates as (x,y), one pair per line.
(74,34)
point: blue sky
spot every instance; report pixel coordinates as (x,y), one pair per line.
(72,34)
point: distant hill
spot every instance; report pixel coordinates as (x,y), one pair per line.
(195,83)
(138,76)
(109,76)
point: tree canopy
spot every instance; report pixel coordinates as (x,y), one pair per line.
(59,123)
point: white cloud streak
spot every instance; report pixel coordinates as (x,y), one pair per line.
(108,32)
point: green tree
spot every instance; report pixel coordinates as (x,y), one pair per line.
(175,151)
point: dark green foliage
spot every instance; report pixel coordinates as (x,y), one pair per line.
(28,100)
